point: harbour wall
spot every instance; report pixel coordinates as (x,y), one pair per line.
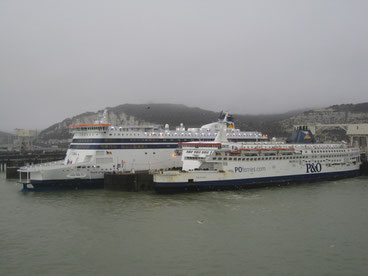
(16,159)
(364,168)
(10,162)
(12,173)
(133,182)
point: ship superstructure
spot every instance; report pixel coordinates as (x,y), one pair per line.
(222,164)
(100,147)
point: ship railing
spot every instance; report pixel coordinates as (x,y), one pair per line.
(41,165)
(54,165)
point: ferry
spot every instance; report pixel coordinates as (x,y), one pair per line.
(222,164)
(99,148)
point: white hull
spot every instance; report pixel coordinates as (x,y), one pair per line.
(243,176)
(223,164)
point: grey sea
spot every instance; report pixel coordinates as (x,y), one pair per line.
(304,229)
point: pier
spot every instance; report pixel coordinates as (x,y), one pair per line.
(132,182)
(10,161)
(364,165)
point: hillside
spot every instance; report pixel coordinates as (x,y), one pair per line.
(336,114)
(173,114)
(160,114)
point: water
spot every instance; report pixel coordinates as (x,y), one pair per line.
(308,229)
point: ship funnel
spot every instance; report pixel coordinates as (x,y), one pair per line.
(221,135)
(301,135)
(226,117)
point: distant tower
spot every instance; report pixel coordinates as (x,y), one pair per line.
(25,138)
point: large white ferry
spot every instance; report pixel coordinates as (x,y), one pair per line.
(223,165)
(99,148)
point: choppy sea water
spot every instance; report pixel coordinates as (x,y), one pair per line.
(304,229)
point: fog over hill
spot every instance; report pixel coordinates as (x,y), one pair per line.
(173,114)
(63,58)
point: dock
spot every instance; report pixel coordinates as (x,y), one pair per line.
(16,160)
(132,182)
(11,161)
(364,165)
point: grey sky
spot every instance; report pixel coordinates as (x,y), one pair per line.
(62,58)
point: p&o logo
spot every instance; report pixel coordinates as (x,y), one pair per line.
(314,168)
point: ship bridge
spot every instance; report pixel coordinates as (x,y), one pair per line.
(89,128)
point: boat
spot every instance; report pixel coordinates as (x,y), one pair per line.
(222,164)
(101,148)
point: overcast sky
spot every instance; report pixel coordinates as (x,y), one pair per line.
(62,58)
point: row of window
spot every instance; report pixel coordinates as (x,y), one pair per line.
(274,158)
(83,167)
(193,158)
(259,158)
(185,134)
(100,170)
(327,151)
(110,147)
(332,156)
(197,152)
(288,154)
(90,128)
(128,140)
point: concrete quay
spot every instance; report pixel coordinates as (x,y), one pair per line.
(364,168)
(12,173)
(133,182)
(16,159)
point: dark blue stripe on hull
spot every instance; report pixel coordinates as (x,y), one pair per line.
(157,140)
(65,184)
(248,183)
(112,147)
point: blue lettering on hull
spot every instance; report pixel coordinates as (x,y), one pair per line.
(313,168)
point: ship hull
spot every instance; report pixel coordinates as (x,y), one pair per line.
(216,181)
(100,148)
(64,184)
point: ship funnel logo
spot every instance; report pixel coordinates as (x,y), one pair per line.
(230,125)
